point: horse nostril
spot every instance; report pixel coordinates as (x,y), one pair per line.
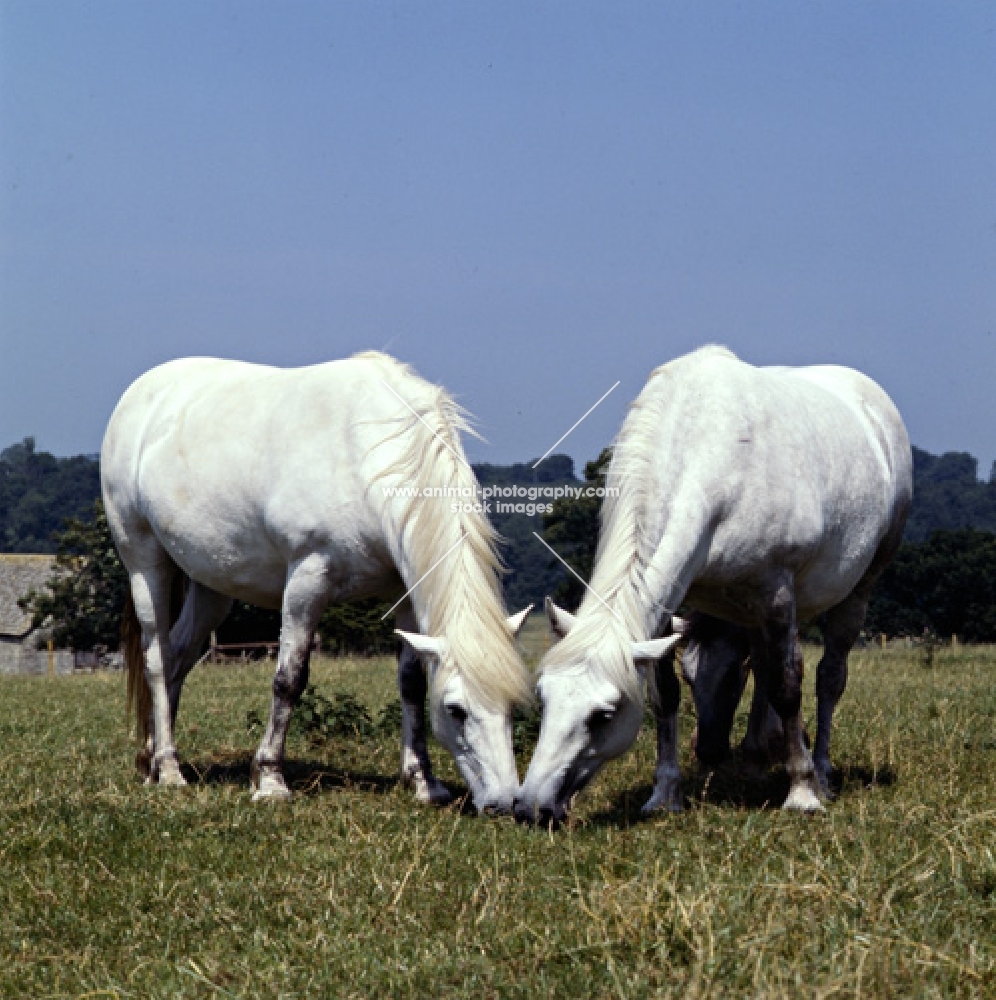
(521,812)
(548,818)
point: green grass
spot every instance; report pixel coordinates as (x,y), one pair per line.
(112,889)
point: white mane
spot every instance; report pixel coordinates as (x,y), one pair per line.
(625,547)
(461,599)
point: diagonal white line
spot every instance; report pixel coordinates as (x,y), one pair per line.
(583,584)
(422,577)
(561,438)
(418,416)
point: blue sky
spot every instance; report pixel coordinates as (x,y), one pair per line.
(526,201)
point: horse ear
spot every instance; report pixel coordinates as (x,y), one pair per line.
(654,649)
(561,621)
(423,645)
(515,622)
(680,626)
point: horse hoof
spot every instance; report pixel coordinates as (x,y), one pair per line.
(277,794)
(268,785)
(143,765)
(433,793)
(170,777)
(663,801)
(803,799)
(823,779)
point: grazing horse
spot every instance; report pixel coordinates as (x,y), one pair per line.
(293,488)
(762,496)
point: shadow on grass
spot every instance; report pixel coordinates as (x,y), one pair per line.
(729,786)
(308,777)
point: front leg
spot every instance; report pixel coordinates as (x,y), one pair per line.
(416,768)
(303,602)
(764,743)
(782,673)
(665,696)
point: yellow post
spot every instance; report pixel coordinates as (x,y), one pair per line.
(884,640)
(954,641)
(51,657)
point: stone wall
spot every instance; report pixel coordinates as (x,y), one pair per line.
(18,658)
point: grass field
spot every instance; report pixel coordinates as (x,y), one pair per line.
(111,889)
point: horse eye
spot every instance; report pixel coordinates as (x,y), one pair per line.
(457,714)
(600,717)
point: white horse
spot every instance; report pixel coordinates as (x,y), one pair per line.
(292,488)
(762,496)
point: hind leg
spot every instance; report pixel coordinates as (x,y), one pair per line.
(841,631)
(203,611)
(305,597)
(150,588)
(783,686)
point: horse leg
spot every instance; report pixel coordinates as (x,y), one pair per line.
(304,600)
(416,768)
(665,696)
(203,611)
(841,631)
(150,589)
(754,746)
(783,686)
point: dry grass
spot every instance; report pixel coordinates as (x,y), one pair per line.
(110,889)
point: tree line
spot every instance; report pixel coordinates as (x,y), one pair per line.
(943,580)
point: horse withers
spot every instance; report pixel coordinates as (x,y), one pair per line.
(293,488)
(761,496)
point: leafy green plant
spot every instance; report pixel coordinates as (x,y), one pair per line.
(320,718)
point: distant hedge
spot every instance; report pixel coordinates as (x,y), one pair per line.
(946,585)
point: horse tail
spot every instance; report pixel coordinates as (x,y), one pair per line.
(139,697)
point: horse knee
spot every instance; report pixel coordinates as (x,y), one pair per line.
(412,684)
(785,693)
(667,695)
(289,683)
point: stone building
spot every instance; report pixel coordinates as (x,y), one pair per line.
(24,649)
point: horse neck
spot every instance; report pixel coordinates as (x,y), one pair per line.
(618,596)
(460,601)
(449,559)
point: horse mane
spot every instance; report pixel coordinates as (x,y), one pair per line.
(461,600)
(626,542)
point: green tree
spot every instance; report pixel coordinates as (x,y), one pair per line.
(39,492)
(572,529)
(946,585)
(85,595)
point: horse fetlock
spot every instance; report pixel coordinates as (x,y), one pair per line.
(143,764)
(755,762)
(428,790)
(166,770)
(823,771)
(433,792)
(267,782)
(666,796)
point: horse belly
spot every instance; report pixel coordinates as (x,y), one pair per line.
(230,558)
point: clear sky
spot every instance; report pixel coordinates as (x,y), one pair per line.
(528,201)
